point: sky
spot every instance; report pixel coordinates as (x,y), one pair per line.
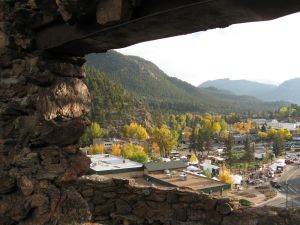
(267,52)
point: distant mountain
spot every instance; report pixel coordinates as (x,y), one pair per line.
(161,92)
(113,106)
(241,87)
(287,91)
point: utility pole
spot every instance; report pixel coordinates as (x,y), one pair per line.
(287,194)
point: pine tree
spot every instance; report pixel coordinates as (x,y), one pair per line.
(278,145)
(228,150)
(200,142)
(249,151)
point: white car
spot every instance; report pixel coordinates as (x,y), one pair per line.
(256,181)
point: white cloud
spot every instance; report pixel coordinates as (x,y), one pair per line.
(262,51)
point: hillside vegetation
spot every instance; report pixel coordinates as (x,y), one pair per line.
(168,94)
(113,106)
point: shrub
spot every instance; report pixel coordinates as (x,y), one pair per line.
(134,153)
(207,173)
(115,150)
(96,149)
(245,202)
(139,156)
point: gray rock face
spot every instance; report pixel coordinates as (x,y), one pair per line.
(43,103)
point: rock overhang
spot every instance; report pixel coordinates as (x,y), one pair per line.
(120,23)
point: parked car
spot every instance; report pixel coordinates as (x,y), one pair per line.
(289,161)
(256,181)
(275,184)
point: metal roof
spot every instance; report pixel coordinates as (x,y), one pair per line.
(157,166)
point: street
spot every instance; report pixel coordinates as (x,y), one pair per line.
(289,193)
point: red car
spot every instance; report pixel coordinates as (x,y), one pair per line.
(288,161)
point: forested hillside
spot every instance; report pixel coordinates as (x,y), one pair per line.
(113,106)
(168,94)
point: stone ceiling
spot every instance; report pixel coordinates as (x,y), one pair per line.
(104,25)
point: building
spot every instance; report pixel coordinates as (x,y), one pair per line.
(211,168)
(258,154)
(157,167)
(85,150)
(259,122)
(106,142)
(113,166)
(278,125)
(175,174)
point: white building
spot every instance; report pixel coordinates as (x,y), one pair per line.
(209,167)
(259,121)
(278,125)
(107,142)
(113,166)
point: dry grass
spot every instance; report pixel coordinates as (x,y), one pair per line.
(267,192)
(262,187)
(244,194)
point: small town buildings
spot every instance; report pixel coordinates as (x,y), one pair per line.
(113,166)
(214,170)
(173,174)
(85,150)
(157,167)
(260,121)
(278,165)
(106,142)
(259,154)
(279,125)
(241,138)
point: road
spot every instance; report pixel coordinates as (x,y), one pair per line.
(292,178)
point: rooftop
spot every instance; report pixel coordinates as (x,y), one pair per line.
(158,166)
(106,162)
(192,181)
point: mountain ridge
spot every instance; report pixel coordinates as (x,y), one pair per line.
(286,91)
(162,92)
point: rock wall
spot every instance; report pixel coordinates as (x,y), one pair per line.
(42,106)
(117,201)
(43,103)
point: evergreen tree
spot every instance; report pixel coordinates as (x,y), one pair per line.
(278,145)
(249,151)
(200,142)
(263,128)
(207,134)
(193,139)
(228,149)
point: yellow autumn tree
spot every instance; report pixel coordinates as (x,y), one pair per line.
(134,152)
(96,149)
(116,150)
(271,132)
(225,175)
(224,134)
(194,159)
(262,135)
(243,127)
(136,131)
(156,148)
(285,133)
(216,127)
(165,139)
(283,111)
